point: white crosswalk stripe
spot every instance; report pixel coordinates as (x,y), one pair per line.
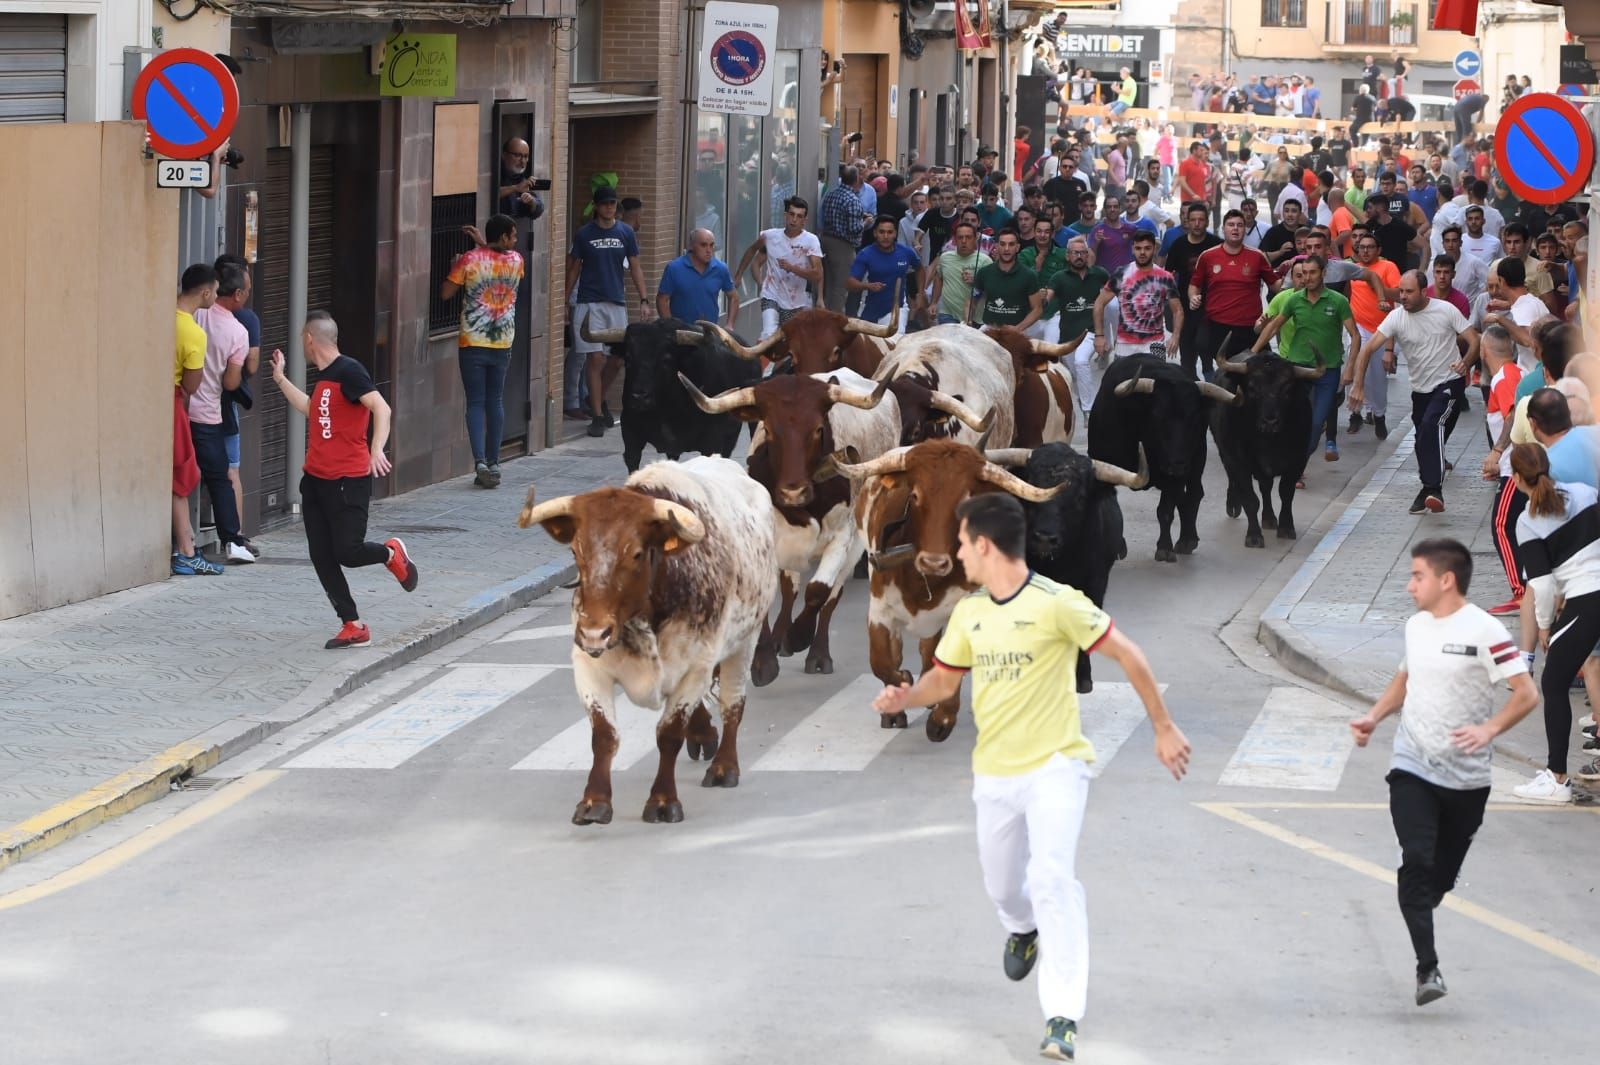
(391,738)
(1299,740)
(842,735)
(543,632)
(636,734)
(1111,713)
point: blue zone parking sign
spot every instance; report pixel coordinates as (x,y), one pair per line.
(735,65)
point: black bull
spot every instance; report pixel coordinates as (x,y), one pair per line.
(1146,401)
(1265,433)
(655,408)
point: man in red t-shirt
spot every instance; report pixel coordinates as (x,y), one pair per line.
(336,487)
(1228,280)
(1195,180)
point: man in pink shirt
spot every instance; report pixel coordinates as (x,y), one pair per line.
(1443,287)
(227,346)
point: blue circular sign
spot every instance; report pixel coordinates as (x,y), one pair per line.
(738,58)
(1468,63)
(1543,148)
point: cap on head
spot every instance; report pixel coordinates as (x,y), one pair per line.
(605,194)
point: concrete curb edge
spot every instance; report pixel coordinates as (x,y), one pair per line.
(155,776)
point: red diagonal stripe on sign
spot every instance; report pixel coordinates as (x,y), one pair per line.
(1549,156)
(182,101)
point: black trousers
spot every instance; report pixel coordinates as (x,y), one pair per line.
(335,517)
(1435,827)
(1189,340)
(1572,640)
(211,455)
(1428,413)
(1217,341)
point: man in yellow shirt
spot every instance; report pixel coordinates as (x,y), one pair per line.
(1020,637)
(199,291)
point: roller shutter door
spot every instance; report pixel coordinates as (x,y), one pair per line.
(33,68)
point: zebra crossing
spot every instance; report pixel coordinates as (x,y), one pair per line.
(1298,740)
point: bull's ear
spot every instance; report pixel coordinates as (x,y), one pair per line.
(671,544)
(561,529)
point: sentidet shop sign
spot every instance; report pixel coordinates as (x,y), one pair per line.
(1130,44)
(736,44)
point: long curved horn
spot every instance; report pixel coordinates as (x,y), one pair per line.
(690,336)
(1106,472)
(1308,373)
(685,522)
(722,403)
(1009,456)
(951,405)
(1052,351)
(604,336)
(828,466)
(1322,361)
(1017,486)
(889,462)
(751,353)
(1227,366)
(533,514)
(1144,385)
(840,394)
(895,556)
(1219,394)
(866,328)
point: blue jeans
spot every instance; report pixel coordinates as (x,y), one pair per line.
(483,376)
(1322,400)
(1118,107)
(211,455)
(946,319)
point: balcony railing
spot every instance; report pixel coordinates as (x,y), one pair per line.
(1371,24)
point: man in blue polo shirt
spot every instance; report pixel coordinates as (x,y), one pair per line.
(691,283)
(880,268)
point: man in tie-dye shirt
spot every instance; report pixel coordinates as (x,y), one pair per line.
(488,277)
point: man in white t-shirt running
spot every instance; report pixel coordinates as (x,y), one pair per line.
(794,256)
(1427,330)
(1457,659)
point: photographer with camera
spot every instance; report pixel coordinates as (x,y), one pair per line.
(517,184)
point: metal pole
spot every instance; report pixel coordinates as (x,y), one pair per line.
(1591,315)
(299,272)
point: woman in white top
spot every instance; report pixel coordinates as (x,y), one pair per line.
(1558,544)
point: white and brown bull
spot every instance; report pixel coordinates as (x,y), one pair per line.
(951,382)
(817,340)
(675,579)
(1042,405)
(906,512)
(804,421)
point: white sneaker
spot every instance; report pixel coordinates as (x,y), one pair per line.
(1544,789)
(237,553)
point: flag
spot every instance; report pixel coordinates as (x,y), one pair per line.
(969,38)
(1460,15)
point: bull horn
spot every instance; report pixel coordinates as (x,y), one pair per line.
(722,403)
(685,522)
(1017,486)
(553,508)
(839,394)
(951,405)
(861,325)
(1009,456)
(1220,394)
(829,466)
(889,462)
(895,556)
(1322,362)
(1144,385)
(604,336)
(690,336)
(1227,366)
(1308,373)
(1076,341)
(751,353)
(1052,351)
(1109,474)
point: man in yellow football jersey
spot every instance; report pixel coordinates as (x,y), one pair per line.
(1020,637)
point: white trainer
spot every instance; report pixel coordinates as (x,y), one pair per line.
(238,553)
(1544,789)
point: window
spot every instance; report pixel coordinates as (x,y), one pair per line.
(450,213)
(1283,13)
(586,45)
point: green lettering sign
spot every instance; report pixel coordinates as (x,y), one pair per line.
(419,64)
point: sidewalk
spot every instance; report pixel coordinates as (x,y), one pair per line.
(1340,620)
(104,703)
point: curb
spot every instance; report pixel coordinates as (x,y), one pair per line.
(156,776)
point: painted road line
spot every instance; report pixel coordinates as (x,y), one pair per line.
(572,749)
(1515,929)
(386,740)
(840,736)
(149,839)
(1110,714)
(543,632)
(1299,740)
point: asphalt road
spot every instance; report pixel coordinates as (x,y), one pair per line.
(397,880)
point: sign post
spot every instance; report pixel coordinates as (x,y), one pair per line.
(735,64)
(1544,149)
(1466,86)
(188,101)
(1468,63)
(1591,299)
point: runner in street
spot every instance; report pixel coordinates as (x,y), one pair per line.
(1228,279)
(1145,294)
(1020,636)
(793,257)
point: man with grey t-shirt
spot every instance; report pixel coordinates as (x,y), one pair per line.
(1457,660)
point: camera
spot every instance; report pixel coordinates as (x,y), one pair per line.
(232,158)
(541,184)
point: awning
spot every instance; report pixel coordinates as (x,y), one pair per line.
(471,12)
(598,101)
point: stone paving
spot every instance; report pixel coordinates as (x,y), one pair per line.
(89,690)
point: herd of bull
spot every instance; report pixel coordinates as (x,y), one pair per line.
(864,445)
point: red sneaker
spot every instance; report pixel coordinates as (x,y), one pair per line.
(1510,606)
(354,634)
(400,564)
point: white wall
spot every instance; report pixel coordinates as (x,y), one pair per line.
(1526,41)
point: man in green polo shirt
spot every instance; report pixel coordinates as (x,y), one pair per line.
(1011,292)
(1319,316)
(1047,259)
(1074,290)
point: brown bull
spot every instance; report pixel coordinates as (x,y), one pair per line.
(818,340)
(1043,403)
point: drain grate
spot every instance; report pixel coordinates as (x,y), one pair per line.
(196,783)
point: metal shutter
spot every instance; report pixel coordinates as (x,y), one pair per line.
(33,68)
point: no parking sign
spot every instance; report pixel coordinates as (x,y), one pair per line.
(736,48)
(1543,148)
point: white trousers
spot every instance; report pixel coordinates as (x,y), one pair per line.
(900,319)
(1087,370)
(1375,383)
(1028,830)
